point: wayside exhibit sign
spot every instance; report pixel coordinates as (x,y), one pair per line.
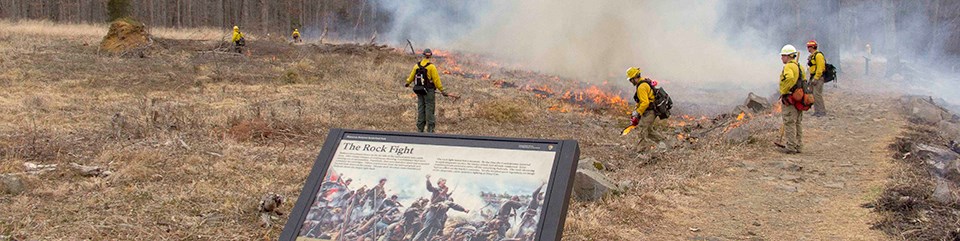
(386,186)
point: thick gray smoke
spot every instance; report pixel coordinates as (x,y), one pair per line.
(709,46)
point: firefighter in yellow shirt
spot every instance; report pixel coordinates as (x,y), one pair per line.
(817,64)
(426,81)
(296,36)
(792,116)
(642,116)
(237,39)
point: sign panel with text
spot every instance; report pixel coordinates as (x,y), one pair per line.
(369,185)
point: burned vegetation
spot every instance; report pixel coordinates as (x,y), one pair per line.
(922,199)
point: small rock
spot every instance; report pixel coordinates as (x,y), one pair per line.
(788,188)
(626,185)
(834,185)
(10,184)
(662,146)
(692,229)
(791,178)
(90,171)
(737,135)
(270,205)
(756,224)
(751,233)
(34,168)
(749,166)
(789,166)
(591,185)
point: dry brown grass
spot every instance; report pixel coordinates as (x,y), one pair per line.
(196,138)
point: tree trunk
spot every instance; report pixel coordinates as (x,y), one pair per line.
(892,45)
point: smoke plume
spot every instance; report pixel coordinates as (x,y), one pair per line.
(702,47)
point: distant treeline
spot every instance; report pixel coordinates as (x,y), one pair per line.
(912,28)
(341,18)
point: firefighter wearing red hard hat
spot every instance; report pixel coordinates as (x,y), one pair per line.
(817,63)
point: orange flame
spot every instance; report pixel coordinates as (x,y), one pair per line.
(559,108)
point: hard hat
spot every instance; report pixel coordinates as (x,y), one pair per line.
(788,50)
(296,30)
(427,52)
(633,72)
(812,43)
(236,28)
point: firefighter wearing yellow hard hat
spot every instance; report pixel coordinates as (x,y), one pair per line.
(642,115)
(792,116)
(296,35)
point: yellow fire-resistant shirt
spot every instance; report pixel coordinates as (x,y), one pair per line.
(818,64)
(431,72)
(644,97)
(296,34)
(237,35)
(789,76)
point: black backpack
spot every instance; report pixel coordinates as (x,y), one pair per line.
(829,72)
(661,105)
(421,80)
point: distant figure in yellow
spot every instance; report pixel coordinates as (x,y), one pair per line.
(237,39)
(296,36)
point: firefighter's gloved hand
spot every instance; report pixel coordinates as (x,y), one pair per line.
(634,114)
(634,121)
(406,85)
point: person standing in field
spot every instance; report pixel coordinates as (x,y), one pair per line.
(426,82)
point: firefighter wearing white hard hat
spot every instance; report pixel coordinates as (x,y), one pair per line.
(792,116)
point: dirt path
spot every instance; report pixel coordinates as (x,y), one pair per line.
(816,195)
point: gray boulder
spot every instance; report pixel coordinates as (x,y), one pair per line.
(590,164)
(737,135)
(945,167)
(924,110)
(948,130)
(942,162)
(946,192)
(10,184)
(591,185)
(756,103)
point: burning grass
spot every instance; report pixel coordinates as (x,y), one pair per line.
(195,137)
